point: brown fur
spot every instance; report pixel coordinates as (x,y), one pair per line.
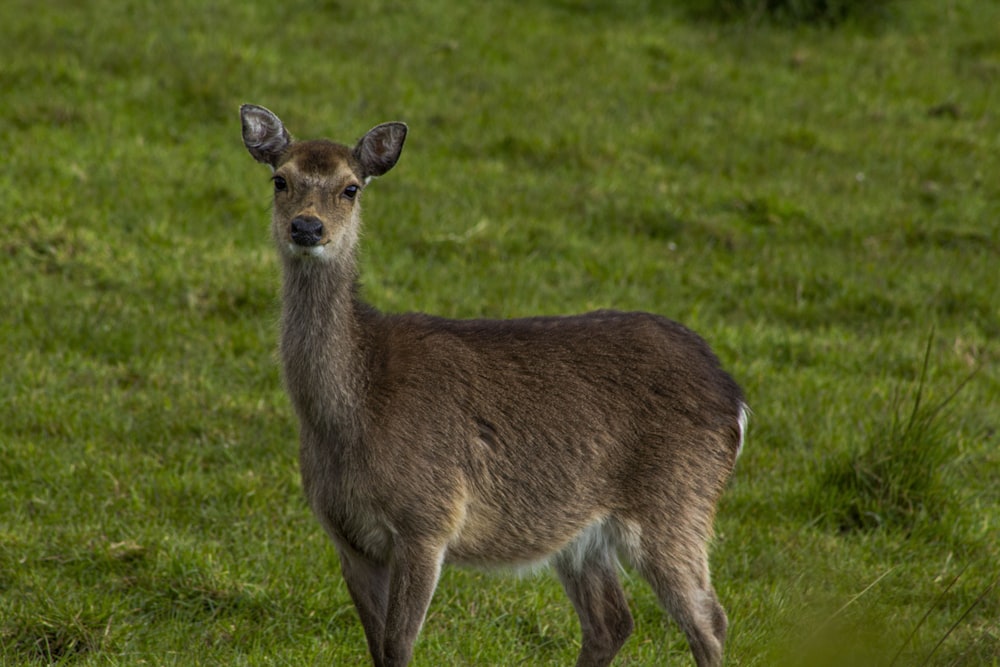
(573,440)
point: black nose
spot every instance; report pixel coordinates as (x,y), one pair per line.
(307,230)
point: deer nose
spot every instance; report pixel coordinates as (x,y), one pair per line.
(307,230)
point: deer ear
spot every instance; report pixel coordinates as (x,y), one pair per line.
(379,150)
(264,134)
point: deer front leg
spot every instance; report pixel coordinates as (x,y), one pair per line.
(368,584)
(414,573)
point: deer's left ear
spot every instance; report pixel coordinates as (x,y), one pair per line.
(264,134)
(378,151)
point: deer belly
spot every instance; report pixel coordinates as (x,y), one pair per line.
(493,537)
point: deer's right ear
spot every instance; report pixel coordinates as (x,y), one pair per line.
(264,134)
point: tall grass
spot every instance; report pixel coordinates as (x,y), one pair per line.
(894,475)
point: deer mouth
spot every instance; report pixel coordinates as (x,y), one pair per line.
(298,250)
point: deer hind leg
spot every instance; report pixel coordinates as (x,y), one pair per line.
(677,570)
(588,572)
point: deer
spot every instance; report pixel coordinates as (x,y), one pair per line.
(585,442)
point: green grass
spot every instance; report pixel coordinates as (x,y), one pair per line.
(820,201)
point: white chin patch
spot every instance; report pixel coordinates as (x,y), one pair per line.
(296,250)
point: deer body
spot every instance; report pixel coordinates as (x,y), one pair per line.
(494,443)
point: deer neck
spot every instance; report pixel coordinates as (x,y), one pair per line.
(321,345)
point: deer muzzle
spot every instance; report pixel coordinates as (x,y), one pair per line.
(306,231)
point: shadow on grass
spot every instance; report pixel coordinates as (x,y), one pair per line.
(790,12)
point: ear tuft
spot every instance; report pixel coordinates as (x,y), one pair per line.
(264,134)
(378,151)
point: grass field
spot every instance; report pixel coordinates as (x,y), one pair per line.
(821,202)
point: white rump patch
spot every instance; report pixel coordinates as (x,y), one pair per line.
(743,421)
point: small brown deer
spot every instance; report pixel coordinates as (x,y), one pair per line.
(570,440)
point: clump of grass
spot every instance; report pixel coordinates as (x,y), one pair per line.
(894,478)
(813,12)
(51,640)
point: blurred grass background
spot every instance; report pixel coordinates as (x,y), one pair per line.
(811,185)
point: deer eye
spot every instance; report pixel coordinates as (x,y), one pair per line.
(280,184)
(351,191)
